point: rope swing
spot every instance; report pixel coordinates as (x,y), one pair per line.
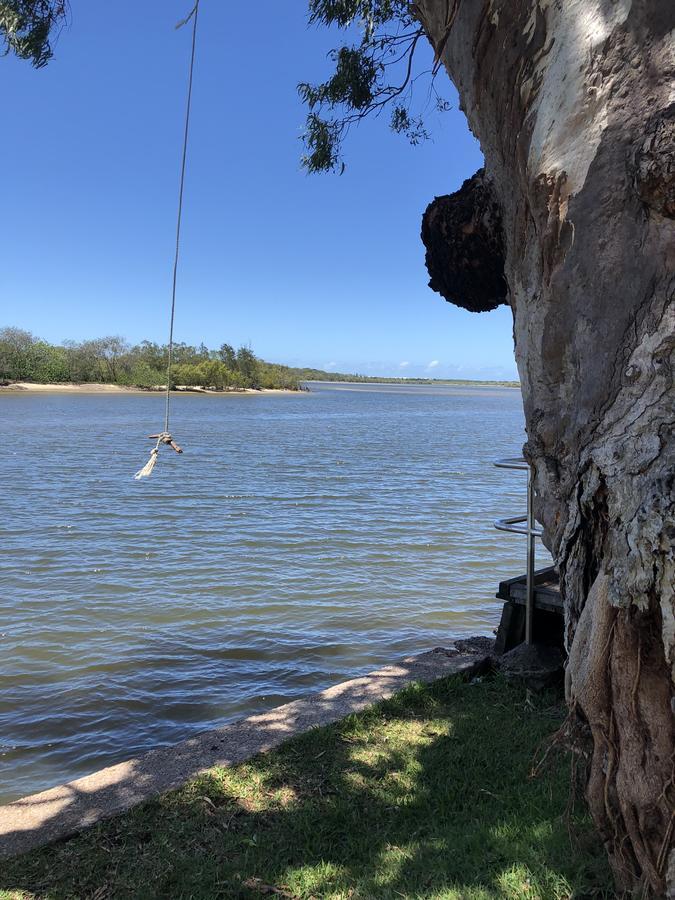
(164,437)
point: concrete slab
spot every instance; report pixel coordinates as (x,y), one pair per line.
(62,811)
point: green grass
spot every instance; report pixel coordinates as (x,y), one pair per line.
(427,795)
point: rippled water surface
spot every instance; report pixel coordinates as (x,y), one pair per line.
(298,540)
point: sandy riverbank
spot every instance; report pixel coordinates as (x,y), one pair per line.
(94,388)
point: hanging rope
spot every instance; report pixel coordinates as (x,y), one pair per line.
(164,437)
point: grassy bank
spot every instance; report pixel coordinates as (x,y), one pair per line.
(427,795)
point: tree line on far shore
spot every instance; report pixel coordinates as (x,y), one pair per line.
(112,360)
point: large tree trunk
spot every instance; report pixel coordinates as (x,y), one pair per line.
(573,104)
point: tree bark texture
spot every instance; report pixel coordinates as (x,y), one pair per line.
(573,102)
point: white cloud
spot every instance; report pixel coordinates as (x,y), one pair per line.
(433,364)
(404,364)
(329,365)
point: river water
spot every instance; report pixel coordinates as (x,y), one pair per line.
(298,541)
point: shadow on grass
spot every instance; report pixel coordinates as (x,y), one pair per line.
(426,795)
(37,820)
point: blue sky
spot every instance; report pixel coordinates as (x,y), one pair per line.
(313,270)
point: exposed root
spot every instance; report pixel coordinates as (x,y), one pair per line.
(619,684)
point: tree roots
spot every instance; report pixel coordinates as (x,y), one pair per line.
(619,688)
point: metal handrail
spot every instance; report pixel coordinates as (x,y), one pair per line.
(510,523)
(512,462)
(530,530)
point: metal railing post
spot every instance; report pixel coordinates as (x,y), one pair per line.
(524,525)
(531,534)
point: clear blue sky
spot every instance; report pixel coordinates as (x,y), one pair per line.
(313,270)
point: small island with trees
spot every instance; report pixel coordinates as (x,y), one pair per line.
(26,359)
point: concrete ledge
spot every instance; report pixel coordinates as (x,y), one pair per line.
(62,811)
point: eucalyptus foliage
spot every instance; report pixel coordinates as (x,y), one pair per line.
(27,28)
(378,72)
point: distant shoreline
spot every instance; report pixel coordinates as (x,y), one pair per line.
(31,387)
(417,382)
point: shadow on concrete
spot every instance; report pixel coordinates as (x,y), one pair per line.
(62,811)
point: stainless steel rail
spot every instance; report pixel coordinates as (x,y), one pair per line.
(515,525)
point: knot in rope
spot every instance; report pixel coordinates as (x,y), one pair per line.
(162,438)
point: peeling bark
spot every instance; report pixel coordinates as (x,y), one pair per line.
(572,103)
(655,164)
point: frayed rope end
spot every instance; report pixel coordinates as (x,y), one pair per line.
(146,471)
